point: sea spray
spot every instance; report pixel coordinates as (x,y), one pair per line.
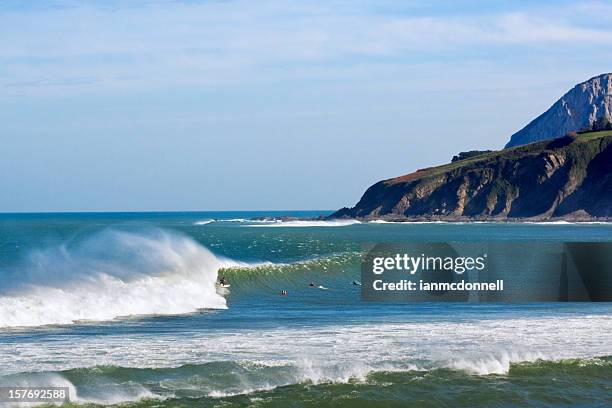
(110,274)
(92,386)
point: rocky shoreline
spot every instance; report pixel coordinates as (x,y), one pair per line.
(577,218)
(572,218)
(564,179)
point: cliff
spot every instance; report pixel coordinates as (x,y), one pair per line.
(569,177)
(578,109)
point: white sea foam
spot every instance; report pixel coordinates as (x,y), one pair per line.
(308,223)
(561,222)
(481,347)
(273,222)
(99,392)
(413,222)
(496,363)
(249,221)
(112,274)
(235,220)
(340,353)
(203,222)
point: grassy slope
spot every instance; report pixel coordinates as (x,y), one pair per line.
(514,152)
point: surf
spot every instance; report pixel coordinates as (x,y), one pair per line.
(306,223)
(266,278)
(215,381)
(110,274)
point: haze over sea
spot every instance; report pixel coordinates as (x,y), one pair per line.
(123,308)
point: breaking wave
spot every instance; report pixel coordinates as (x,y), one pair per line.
(275,222)
(203,222)
(334,270)
(307,223)
(110,274)
(109,385)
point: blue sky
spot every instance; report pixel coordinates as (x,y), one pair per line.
(232,105)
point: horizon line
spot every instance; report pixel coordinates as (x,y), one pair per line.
(154,211)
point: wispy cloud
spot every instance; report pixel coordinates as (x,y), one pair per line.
(75,44)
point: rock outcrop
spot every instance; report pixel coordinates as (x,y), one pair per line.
(568,177)
(576,110)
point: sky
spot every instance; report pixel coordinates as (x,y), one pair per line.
(261,105)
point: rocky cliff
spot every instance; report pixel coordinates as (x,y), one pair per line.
(568,177)
(576,110)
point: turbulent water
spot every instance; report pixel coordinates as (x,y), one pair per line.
(123,309)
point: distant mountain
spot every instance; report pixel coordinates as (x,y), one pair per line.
(578,109)
(569,177)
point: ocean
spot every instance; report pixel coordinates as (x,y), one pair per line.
(123,309)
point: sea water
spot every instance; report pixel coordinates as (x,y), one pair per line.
(122,308)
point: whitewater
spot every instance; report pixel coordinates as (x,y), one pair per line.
(123,309)
(111,274)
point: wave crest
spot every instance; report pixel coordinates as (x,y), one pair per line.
(115,384)
(110,274)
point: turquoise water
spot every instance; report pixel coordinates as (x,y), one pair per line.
(123,309)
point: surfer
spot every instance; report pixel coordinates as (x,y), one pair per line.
(312,285)
(223,281)
(283,293)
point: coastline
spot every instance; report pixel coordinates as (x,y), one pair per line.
(467,220)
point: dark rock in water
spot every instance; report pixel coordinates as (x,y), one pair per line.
(587,106)
(568,178)
(283,218)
